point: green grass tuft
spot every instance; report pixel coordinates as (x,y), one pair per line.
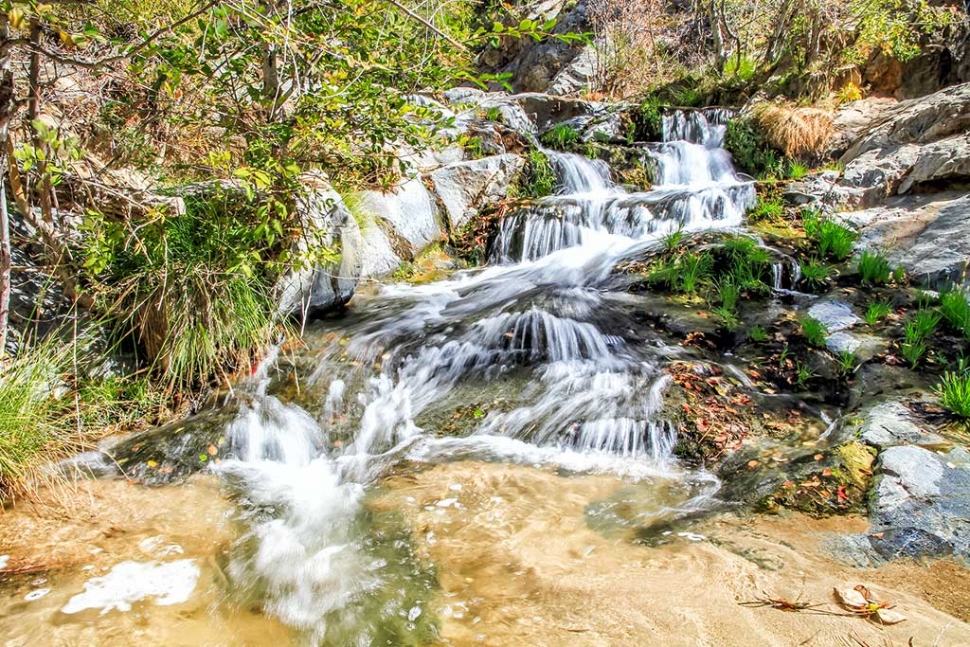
(953,392)
(874,268)
(955,308)
(815,273)
(562,137)
(877,311)
(814,331)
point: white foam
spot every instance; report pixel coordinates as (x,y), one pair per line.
(129,582)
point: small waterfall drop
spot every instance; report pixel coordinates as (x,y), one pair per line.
(530,344)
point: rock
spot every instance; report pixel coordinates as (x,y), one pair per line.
(921,503)
(546,110)
(853,120)
(835,315)
(378,253)
(873,176)
(552,65)
(928,235)
(947,160)
(919,121)
(466,187)
(889,423)
(310,291)
(410,209)
(863,346)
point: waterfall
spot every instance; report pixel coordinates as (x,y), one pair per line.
(530,341)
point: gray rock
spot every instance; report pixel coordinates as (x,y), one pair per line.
(853,120)
(921,502)
(410,209)
(377,251)
(551,65)
(466,187)
(890,423)
(836,315)
(928,235)
(863,346)
(309,291)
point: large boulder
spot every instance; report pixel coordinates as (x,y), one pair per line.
(921,504)
(466,188)
(409,209)
(927,235)
(304,292)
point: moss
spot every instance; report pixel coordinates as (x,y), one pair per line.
(838,484)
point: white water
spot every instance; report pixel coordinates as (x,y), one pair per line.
(532,331)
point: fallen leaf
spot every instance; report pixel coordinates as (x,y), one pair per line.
(752,464)
(889,617)
(851,599)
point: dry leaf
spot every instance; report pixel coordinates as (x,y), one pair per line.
(889,617)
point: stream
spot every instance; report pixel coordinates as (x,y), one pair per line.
(471,461)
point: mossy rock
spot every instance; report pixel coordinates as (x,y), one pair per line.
(838,485)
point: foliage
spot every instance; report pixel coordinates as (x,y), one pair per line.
(848,362)
(648,121)
(953,392)
(813,330)
(874,268)
(757,334)
(834,240)
(795,170)
(917,331)
(955,309)
(815,273)
(561,137)
(769,208)
(537,179)
(750,149)
(877,311)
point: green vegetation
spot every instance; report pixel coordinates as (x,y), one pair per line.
(492,113)
(917,332)
(750,150)
(813,330)
(877,311)
(815,273)
(833,240)
(955,309)
(953,392)
(848,363)
(561,137)
(795,170)
(757,334)
(537,179)
(769,208)
(874,268)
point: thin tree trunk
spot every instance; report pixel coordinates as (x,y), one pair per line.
(6,110)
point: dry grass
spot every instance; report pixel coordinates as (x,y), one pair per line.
(799,132)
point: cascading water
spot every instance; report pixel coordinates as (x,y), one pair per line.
(581,388)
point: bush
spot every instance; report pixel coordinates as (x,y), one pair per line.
(874,268)
(750,150)
(953,392)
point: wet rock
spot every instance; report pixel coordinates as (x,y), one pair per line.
(890,423)
(308,291)
(378,252)
(466,187)
(922,499)
(835,315)
(863,346)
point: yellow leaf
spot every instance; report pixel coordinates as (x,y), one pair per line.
(15,17)
(151,464)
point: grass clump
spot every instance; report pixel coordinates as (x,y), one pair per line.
(750,150)
(768,209)
(795,170)
(874,268)
(813,330)
(877,311)
(955,309)
(562,137)
(917,331)
(833,240)
(537,179)
(815,273)
(798,132)
(953,392)
(757,334)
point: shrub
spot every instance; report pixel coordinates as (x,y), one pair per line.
(877,311)
(743,68)
(750,150)
(562,137)
(815,273)
(813,330)
(953,392)
(874,268)
(648,121)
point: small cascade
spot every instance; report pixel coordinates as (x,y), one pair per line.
(554,372)
(696,189)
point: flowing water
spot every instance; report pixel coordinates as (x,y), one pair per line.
(528,362)
(555,373)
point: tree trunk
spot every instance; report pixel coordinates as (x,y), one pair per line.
(6,114)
